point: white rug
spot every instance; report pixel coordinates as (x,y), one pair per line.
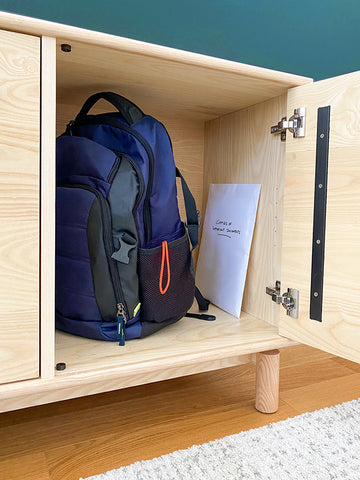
(322,445)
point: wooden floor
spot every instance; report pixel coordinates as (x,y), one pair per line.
(88,436)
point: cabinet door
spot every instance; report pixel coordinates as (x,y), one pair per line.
(339,330)
(19,205)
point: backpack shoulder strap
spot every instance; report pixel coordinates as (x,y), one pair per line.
(202,302)
(193,225)
(192,214)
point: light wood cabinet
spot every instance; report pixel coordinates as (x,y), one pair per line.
(218,114)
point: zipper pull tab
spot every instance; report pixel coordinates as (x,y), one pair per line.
(121,322)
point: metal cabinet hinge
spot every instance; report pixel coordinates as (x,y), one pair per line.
(295,125)
(289,300)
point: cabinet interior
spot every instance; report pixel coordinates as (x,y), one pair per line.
(219,121)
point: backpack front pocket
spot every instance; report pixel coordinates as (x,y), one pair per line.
(86,283)
(167,284)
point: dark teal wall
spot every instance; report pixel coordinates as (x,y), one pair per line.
(316,38)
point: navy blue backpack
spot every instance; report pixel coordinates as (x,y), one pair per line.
(123,259)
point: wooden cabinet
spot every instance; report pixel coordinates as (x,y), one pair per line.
(218,114)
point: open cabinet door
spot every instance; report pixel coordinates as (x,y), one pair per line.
(329,289)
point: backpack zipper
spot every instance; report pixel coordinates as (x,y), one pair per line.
(121,323)
(114,123)
(121,311)
(121,307)
(115,168)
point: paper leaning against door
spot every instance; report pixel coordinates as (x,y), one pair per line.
(225,245)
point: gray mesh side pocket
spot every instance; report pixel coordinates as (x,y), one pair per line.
(167,283)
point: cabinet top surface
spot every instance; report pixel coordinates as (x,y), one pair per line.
(116,62)
(35,26)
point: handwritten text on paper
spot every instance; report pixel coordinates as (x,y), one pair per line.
(225,228)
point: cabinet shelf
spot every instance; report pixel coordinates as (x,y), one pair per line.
(180,346)
(178,350)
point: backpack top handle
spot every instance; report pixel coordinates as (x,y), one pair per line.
(130,112)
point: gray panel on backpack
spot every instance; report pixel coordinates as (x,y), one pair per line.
(103,287)
(122,198)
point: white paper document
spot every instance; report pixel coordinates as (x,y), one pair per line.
(225,245)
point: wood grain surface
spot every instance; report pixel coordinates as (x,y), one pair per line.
(267,381)
(339,333)
(187,338)
(19,205)
(187,347)
(28,467)
(90,435)
(176,88)
(240,149)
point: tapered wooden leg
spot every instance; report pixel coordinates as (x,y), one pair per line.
(267,381)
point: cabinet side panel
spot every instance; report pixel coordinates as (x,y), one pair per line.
(240,149)
(19,205)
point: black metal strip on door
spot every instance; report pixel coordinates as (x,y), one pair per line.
(319,218)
